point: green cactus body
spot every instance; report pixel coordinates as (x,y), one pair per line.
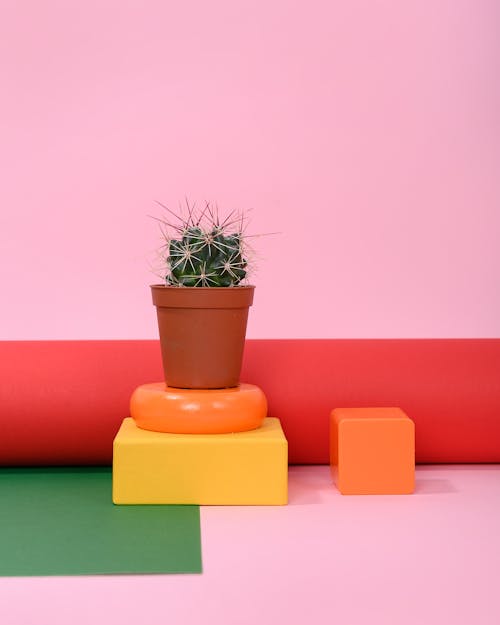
(206,258)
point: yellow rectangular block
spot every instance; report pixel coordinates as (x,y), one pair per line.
(245,468)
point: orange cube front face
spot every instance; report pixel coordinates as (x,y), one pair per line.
(372,451)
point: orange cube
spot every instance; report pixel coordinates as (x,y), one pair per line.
(372,451)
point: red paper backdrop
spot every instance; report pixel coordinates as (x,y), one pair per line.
(61,402)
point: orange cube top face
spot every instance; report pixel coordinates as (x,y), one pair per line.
(372,451)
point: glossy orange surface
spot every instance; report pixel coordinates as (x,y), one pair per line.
(160,408)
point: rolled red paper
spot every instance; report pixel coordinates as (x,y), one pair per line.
(62,402)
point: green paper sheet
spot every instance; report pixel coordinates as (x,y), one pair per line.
(61,521)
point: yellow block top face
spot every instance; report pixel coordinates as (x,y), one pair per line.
(244,468)
(269,430)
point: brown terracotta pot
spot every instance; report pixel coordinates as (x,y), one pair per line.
(202,334)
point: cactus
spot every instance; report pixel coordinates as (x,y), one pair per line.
(205,252)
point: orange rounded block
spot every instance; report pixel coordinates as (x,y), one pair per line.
(372,451)
(160,408)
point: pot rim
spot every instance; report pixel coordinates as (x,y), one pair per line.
(169,296)
(201,288)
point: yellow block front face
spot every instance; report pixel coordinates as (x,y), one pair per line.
(245,468)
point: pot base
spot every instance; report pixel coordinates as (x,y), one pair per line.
(161,408)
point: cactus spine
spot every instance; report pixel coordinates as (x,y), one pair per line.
(205,252)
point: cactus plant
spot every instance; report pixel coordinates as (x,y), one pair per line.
(203,302)
(204,251)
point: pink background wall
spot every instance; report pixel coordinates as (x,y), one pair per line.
(367,132)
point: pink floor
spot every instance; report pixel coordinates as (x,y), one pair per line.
(428,558)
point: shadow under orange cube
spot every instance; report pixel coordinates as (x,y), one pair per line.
(372,451)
